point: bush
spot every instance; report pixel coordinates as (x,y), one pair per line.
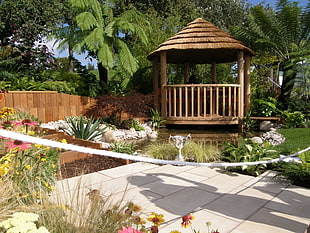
(87,129)
(246,151)
(122,147)
(197,152)
(135,104)
(297,173)
(293,119)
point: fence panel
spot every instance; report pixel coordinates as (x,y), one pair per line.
(47,105)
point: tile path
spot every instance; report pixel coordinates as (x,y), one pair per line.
(232,202)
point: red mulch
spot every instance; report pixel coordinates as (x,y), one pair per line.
(88,165)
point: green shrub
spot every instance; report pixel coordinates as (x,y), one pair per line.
(197,152)
(160,150)
(297,173)
(157,120)
(246,151)
(292,119)
(88,130)
(201,152)
(122,147)
(265,107)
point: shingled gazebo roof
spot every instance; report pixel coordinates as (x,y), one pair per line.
(200,42)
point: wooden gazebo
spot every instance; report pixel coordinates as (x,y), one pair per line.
(200,42)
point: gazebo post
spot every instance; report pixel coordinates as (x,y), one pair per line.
(213,72)
(186,72)
(241,82)
(247,83)
(155,82)
(163,82)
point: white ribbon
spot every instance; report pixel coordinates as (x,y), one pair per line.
(45,142)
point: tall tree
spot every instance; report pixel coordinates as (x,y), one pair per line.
(284,33)
(223,13)
(105,35)
(23,24)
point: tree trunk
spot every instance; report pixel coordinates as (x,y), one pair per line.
(70,69)
(103,76)
(289,74)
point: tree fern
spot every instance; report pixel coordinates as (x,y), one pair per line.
(105,34)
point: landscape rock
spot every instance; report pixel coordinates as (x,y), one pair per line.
(257,140)
(273,138)
(265,125)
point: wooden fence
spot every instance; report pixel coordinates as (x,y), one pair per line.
(47,105)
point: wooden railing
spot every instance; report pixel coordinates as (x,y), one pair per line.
(200,101)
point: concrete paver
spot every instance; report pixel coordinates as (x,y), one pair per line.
(232,202)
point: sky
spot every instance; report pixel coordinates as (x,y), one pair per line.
(84,61)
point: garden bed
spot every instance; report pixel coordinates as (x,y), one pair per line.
(87,165)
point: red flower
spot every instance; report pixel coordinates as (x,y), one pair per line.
(154,229)
(30,122)
(17,144)
(186,220)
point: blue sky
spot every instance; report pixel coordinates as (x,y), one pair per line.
(302,3)
(81,58)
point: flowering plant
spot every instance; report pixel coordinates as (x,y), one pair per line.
(22,222)
(156,220)
(32,167)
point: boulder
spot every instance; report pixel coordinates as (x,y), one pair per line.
(265,125)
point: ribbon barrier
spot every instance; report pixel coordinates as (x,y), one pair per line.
(137,158)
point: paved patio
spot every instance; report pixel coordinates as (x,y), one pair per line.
(231,202)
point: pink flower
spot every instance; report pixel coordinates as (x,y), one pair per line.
(129,230)
(17,144)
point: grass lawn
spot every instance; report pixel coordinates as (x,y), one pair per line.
(296,139)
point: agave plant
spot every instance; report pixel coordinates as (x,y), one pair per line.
(84,129)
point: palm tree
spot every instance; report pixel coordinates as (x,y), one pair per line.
(105,35)
(284,33)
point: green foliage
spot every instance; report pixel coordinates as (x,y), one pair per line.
(249,124)
(157,120)
(122,147)
(103,33)
(88,130)
(292,119)
(134,123)
(159,150)
(283,33)
(265,107)
(297,173)
(200,152)
(22,26)
(246,151)
(197,152)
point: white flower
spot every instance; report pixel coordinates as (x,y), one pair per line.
(5,224)
(21,222)
(27,217)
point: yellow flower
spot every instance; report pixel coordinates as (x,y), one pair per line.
(157,219)
(63,140)
(43,159)
(175,232)
(31,133)
(7,111)
(53,165)
(27,167)
(37,146)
